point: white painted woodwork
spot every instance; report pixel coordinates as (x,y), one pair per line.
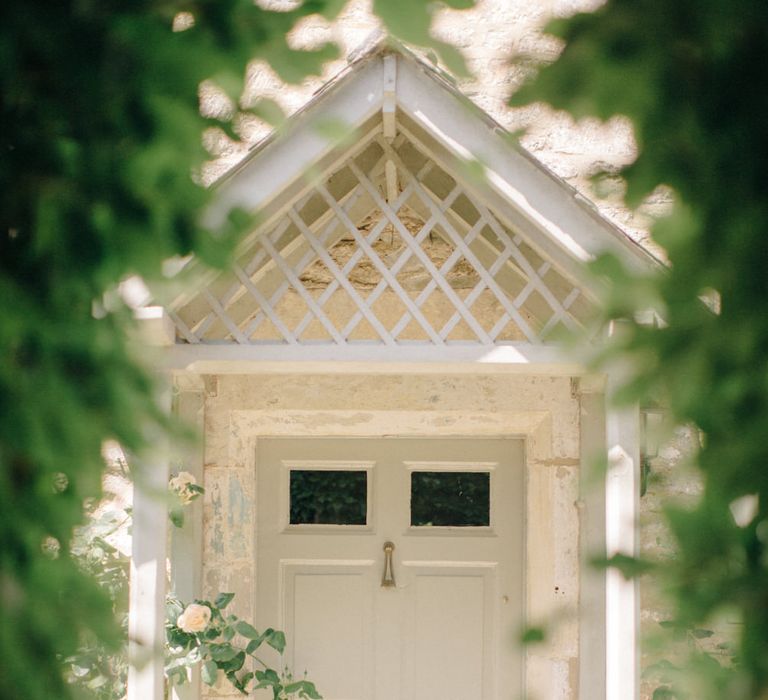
(522,358)
(389,122)
(282,162)
(187,541)
(446,631)
(622,507)
(146,619)
(562,218)
(155,326)
(490,313)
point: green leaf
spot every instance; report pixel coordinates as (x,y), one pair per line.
(235,681)
(276,640)
(223,599)
(702,633)
(452,58)
(176,516)
(338,132)
(209,672)
(268,110)
(253,645)
(173,608)
(310,691)
(630,567)
(533,635)
(223,652)
(670,624)
(304,688)
(246,629)
(295,66)
(406,19)
(267,678)
(177,676)
(233,664)
(331,8)
(97,682)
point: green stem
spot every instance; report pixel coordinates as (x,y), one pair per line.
(256,658)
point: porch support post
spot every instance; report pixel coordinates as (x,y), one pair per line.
(187,541)
(592,617)
(622,496)
(146,621)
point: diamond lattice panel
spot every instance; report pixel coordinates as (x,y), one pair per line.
(344,265)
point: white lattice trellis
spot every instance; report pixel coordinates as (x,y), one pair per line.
(345,265)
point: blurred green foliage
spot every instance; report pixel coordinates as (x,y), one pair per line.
(691,76)
(100,135)
(98,669)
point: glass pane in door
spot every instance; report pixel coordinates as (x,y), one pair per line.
(328,497)
(452,499)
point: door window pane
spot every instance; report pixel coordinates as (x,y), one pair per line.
(328,497)
(458,499)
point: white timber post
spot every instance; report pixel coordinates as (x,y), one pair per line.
(592,524)
(389,122)
(622,505)
(187,541)
(149,548)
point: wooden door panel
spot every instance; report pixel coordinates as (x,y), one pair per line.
(328,617)
(450,630)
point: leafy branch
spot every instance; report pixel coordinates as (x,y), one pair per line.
(202,634)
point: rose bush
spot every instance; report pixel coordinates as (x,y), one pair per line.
(195,618)
(185,486)
(184,489)
(201,634)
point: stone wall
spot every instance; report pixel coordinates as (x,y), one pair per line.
(671,481)
(496,38)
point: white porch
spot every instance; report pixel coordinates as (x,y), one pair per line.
(448,333)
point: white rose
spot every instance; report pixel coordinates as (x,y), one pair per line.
(181,481)
(180,485)
(195,618)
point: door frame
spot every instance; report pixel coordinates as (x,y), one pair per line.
(546,592)
(401,424)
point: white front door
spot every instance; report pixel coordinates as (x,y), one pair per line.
(394,565)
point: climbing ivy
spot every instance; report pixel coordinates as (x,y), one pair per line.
(691,77)
(100,135)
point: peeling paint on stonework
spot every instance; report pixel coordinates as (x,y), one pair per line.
(444,420)
(356,419)
(212,582)
(238,517)
(213,511)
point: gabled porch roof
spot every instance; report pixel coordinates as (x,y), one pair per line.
(420,152)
